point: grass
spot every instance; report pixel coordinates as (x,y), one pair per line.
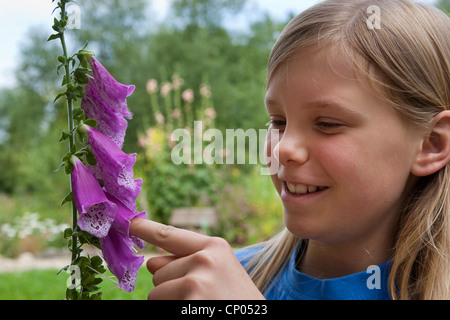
(46,285)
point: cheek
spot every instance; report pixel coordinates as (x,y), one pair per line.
(367,171)
(277,184)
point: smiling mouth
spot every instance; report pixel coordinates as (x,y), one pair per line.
(301,189)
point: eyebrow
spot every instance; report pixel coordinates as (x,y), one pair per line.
(323,104)
(335,105)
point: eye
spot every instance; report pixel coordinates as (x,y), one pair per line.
(276,124)
(329,126)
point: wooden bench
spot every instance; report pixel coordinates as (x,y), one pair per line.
(195,219)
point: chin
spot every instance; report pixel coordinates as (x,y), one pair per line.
(301,228)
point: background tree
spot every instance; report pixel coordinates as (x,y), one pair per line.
(444,5)
(205,13)
(192,43)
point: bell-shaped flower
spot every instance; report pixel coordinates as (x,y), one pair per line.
(123,219)
(120,258)
(112,92)
(97,212)
(109,121)
(114,168)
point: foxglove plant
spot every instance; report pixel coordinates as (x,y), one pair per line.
(114,167)
(97,213)
(111,91)
(103,189)
(109,121)
(118,247)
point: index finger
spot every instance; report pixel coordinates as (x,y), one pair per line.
(179,242)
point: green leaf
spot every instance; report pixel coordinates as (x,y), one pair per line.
(78,115)
(68,168)
(91,123)
(54,37)
(59,68)
(97,296)
(68,233)
(82,78)
(83,56)
(82,262)
(68,198)
(85,53)
(79,92)
(80,75)
(81,153)
(57,26)
(65,135)
(90,157)
(96,261)
(66,157)
(63,268)
(72,294)
(62,94)
(85,46)
(60,166)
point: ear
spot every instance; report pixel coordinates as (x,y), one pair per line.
(434,153)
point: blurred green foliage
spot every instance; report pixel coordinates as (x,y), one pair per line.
(444,5)
(192,43)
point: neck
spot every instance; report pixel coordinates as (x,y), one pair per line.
(326,261)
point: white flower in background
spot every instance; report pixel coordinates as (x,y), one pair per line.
(30,224)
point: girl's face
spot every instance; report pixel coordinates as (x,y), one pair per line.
(344,155)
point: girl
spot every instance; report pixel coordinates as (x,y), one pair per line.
(358,95)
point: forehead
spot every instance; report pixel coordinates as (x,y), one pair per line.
(324,81)
(339,58)
(309,71)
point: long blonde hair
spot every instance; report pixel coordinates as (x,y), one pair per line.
(407,59)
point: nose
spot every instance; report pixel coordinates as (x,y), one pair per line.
(291,149)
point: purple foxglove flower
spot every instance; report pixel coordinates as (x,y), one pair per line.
(112,92)
(97,213)
(123,219)
(114,168)
(109,121)
(120,258)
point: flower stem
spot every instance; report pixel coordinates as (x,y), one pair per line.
(70,121)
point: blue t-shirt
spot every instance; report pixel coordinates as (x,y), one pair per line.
(294,285)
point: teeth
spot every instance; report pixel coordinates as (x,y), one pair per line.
(302,189)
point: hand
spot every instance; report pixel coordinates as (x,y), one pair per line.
(201,267)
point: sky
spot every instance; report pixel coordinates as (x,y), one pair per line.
(18,17)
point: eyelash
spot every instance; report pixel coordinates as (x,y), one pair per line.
(328,125)
(321,125)
(276,123)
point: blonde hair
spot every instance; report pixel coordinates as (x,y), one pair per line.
(407,59)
